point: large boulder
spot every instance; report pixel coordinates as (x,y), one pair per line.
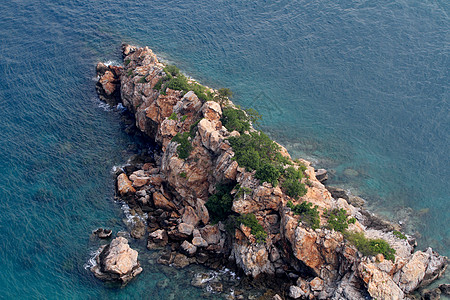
(124,185)
(117,262)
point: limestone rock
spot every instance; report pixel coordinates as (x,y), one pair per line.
(212,111)
(185,228)
(117,262)
(188,248)
(161,202)
(199,242)
(190,217)
(211,234)
(157,239)
(180,261)
(124,185)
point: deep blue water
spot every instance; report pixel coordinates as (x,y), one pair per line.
(360,87)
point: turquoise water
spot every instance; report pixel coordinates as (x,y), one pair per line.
(355,86)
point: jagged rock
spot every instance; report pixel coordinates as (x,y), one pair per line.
(212,111)
(190,217)
(188,248)
(211,234)
(185,228)
(161,202)
(180,261)
(337,192)
(321,175)
(199,242)
(157,239)
(117,262)
(138,228)
(296,292)
(316,284)
(102,233)
(124,185)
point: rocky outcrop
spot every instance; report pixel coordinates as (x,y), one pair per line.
(117,262)
(174,190)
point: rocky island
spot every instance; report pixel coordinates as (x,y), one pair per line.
(221,192)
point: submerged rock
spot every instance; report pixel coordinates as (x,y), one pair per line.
(117,262)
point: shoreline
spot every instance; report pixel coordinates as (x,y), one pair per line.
(211,138)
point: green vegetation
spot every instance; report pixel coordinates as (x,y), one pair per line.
(183,118)
(193,128)
(223,94)
(238,119)
(241,190)
(338,219)
(370,246)
(127,62)
(219,204)
(129,72)
(142,80)
(292,185)
(255,150)
(269,173)
(183,174)
(185,147)
(399,235)
(177,81)
(171,70)
(235,119)
(308,214)
(173,116)
(258,231)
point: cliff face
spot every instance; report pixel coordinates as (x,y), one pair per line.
(173,191)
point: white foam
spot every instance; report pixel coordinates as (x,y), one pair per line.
(92,262)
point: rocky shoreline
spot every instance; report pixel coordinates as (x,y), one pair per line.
(168,196)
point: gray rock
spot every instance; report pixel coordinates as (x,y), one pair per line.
(199,242)
(321,175)
(188,248)
(185,228)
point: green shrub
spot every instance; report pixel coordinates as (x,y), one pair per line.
(129,72)
(257,229)
(142,80)
(338,219)
(178,83)
(292,185)
(308,214)
(183,118)
(185,147)
(219,204)
(173,116)
(201,92)
(193,128)
(183,174)
(370,246)
(223,94)
(127,62)
(235,119)
(241,190)
(171,70)
(399,235)
(268,173)
(256,144)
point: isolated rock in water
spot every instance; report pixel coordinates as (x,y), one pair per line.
(102,233)
(117,262)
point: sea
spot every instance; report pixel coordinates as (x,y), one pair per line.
(360,88)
